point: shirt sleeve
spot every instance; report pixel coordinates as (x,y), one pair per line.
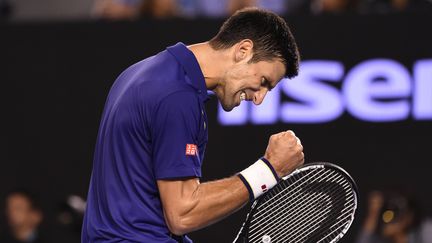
(175,129)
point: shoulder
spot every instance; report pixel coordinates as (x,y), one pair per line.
(179,101)
(158,67)
(151,80)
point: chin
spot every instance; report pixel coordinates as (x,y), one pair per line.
(226,107)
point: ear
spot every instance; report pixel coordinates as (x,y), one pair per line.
(243,50)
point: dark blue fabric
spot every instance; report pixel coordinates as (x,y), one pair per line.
(154,109)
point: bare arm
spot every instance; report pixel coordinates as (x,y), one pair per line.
(376,201)
(189,205)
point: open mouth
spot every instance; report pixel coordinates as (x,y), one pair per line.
(242,96)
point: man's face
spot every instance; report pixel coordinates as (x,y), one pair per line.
(20,212)
(248,81)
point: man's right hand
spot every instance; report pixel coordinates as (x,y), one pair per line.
(285,152)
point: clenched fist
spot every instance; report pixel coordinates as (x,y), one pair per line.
(285,152)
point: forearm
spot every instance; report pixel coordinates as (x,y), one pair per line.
(205,204)
(189,205)
(370,224)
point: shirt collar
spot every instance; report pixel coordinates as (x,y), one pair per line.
(190,65)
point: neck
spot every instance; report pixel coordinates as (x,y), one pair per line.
(213,63)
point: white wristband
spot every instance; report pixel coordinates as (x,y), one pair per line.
(259,177)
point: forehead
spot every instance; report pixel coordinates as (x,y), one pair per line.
(17,198)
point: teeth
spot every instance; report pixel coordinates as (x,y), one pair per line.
(243,96)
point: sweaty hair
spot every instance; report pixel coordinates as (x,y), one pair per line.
(270,34)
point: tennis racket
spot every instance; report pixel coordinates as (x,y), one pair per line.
(315,203)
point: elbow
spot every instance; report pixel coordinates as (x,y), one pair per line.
(179,225)
(178,229)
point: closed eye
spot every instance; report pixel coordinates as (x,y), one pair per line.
(266,83)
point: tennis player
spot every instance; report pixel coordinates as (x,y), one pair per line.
(145,185)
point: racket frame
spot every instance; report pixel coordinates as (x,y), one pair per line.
(242,236)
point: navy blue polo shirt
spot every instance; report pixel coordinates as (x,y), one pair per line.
(153,127)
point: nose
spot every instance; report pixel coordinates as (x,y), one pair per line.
(259,96)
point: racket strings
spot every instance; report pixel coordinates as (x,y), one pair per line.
(347,217)
(313,234)
(344,220)
(294,212)
(281,198)
(263,211)
(311,219)
(292,181)
(301,229)
(270,212)
(299,236)
(275,210)
(307,234)
(313,216)
(304,232)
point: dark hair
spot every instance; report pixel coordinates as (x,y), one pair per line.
(269,33)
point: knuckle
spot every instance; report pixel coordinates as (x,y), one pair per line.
(292,140)
(300,147)
(290,132)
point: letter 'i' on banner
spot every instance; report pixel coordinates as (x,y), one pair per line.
(422,95)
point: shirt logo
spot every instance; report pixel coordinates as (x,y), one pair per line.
(264,188)
(191,149)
